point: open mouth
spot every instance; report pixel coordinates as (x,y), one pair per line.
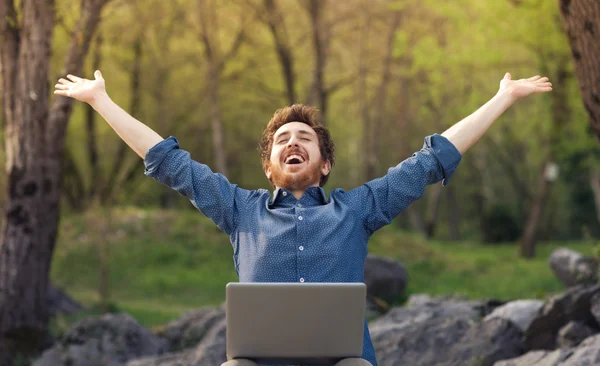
(294,159)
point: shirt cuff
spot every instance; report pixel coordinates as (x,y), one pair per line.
(446,153)
(157,153)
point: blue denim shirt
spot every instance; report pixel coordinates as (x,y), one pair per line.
(277,238)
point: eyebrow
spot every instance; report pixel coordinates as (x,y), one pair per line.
(300,132)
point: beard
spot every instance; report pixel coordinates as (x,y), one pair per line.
(295,180)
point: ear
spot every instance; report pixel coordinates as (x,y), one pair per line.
(268,172)
(326,167)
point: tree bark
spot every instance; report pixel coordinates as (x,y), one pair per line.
(582,25)
(560,116)
(284,51)
(34,148)
(110,182)
(216,60)
(318,94)
(379,100)
(92,142)
(528,239)
(433,210)
(595,185)
(453,213)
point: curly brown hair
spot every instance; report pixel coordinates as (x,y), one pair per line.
(297,113)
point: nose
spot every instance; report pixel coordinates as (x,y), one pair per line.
(293,141)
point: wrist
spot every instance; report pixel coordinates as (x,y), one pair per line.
(98,99)
(506,96)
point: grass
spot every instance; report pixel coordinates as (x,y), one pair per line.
(163,263)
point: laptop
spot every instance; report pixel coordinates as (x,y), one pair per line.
(291,323)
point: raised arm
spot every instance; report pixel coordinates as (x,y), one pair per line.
(468,131)
(136,134)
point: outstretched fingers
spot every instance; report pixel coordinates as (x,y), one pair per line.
(73,78)
(542,89)
(64,93)
(64,81)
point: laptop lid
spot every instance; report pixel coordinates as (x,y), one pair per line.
(316,323)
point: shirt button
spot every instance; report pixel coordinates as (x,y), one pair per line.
(284,193)
(301,247)
(301,279)
(299,205)
(300,218)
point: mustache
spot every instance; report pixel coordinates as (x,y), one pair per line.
(291,151)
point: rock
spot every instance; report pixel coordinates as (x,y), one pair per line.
(595,307)
(573,305)
(444,333)
(212,350)
(538,358)
(60,303)
(572,268)
(587,353)
(573,333)
(110,340)
(519,312)
(385,279)
(417,300)
(168,359)
(453,302)
(191,328)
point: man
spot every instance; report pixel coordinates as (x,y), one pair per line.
(297,234)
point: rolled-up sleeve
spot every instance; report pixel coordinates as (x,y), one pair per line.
(382,199)
(209,192)
(446,153)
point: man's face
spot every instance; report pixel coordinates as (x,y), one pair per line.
(296,161)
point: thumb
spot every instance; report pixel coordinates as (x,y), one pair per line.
(98,75)
(507,76)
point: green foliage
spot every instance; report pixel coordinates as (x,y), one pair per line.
(167,262)
(500,225)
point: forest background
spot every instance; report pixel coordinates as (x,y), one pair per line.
(384,75)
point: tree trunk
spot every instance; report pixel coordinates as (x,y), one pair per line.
(91,135)
(216,60)
(218,135)
(453,213)
(111,182)
(34,148)
(560,116)
(320,37)
(284,51)
(168,197)
(379,100)
(362,95)
(595,185)
(31,216)
(527,244)
(433,210)
(582,24)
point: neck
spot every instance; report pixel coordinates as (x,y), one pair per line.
(298,193)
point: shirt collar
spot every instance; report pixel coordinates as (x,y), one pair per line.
(313,196)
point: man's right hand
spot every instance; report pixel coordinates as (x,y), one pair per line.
(81,89)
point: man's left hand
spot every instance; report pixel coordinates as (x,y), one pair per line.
(523,87)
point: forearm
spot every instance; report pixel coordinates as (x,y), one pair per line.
(468,131)
(136,134)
